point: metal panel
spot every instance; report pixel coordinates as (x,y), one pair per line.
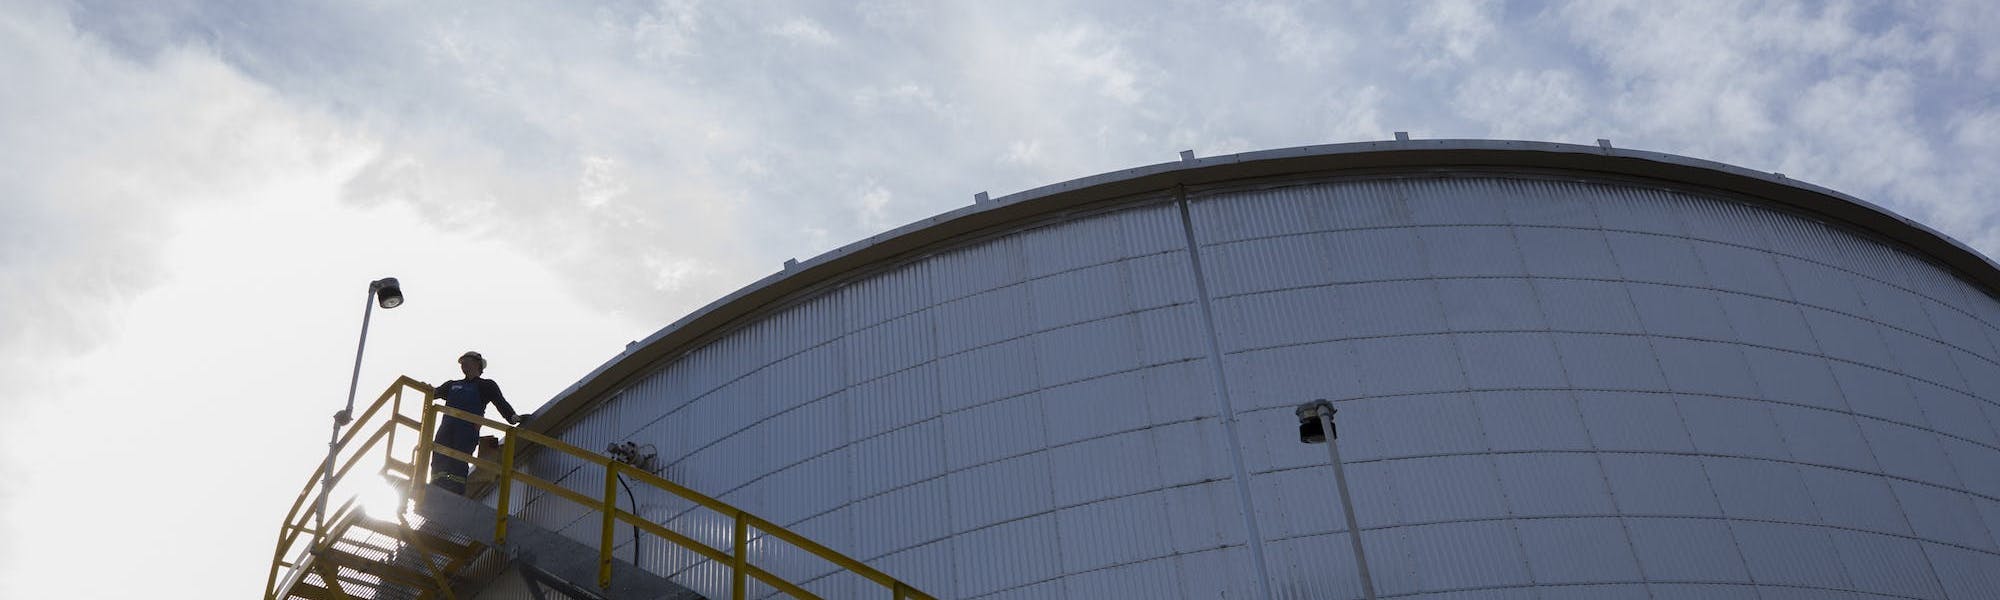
(1790,555)
(1885,565)
(900,519)
(1087,350)
(1656,259)
(1821,286)
(1074,244)
(1757,489)
(1408,365)
(1580,253)
(1413,426)
(1490,304)
(1375,255)
(984,318)
(1148,579)
(1202,517)
(1313,568)
(1732,426)
(1824,437)
(1447,488)
(1000,492)
(1638,209)
(1655,484)
(1451,201)
(1795,378)
(1540,202)
(1686,549)
(972,269)
(1965,574)
(1766,322)
(1467,555)
(1895,307)
(1471,251)
(1877,393)
(1942,514)
(1112,532)
(1103,467)
(993,431)
(1633,421)
(986,374)
(1280,318)
(1509,360)
(1383,308)
(1265,264)
(1090,408)
(1081,295)
(1909,452)
(1609,361)
(1562,551)
(1594,306)
(1297,502)
(898,458)
(1008,555)
(1953,413)
(1675,311)
(1529,420)
(1742,270)
(1543,484)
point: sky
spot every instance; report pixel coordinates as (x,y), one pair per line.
(193,194)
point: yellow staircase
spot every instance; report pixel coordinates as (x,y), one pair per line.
(345,552)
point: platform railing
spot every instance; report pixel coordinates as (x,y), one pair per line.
(381,429)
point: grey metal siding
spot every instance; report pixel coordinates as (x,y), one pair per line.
(1547,386)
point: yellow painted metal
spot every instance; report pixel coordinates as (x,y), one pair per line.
(506,491)
(610,510)
(739,555)
(418,468)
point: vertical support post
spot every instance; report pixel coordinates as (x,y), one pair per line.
(1346,503)
(505,504)
(421,479)
(739,556)
(341,419)
(610,510)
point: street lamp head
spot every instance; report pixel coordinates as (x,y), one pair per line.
(1310,429)
(387,292)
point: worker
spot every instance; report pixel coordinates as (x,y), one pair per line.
(471,394)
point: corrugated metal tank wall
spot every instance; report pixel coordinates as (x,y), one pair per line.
(1548,388)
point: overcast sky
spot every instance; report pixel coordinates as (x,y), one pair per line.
(193,195)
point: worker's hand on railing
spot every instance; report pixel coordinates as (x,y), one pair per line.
(520,418)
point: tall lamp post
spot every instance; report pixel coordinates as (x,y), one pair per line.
(1315,427)
(390,294)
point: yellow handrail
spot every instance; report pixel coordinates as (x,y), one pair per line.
(311,494)
(737,556)
(741,521)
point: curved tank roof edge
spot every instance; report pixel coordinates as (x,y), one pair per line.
(638,358)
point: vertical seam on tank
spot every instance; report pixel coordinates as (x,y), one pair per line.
(1227,414)
(1576,404)
(1625,286)
(1820,348)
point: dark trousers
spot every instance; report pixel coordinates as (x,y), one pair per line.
(447,472)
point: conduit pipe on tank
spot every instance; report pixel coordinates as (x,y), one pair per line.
(1316,426)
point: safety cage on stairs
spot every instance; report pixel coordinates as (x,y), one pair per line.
(369,536)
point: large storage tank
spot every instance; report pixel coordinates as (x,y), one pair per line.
(1562,372)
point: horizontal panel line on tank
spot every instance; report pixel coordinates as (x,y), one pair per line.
(1660,516)
(1856,415)
(894,489)
(1967,393)
(1622,280)
(928,362)
(1808,259)
(1684,453)
(940,415)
